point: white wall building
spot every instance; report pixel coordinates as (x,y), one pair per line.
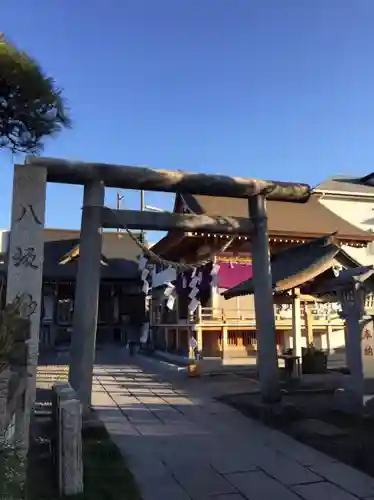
(353,200)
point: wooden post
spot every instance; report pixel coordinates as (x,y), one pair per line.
(198,314)
(286,339)
(296,325)
(224,341)
(199,338)
(214,290)
(177,309)
(166,336)
(264,305)
(308,317)
(190,333)
(177,339)
(328,337)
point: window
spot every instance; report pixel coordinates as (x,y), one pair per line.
(370,246)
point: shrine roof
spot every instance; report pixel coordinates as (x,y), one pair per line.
(348,185)
(295,266)
(119,255)
(307,220)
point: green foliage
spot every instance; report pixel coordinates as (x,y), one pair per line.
(9,323)
(106,476)
(12,474)
(31,106)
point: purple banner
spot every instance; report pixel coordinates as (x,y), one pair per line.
(231,274)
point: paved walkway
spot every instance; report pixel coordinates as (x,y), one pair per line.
(182,444)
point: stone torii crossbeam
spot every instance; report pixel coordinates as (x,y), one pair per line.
(28,215)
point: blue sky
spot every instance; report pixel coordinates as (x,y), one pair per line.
(275,89)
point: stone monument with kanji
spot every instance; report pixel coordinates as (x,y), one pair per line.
(353,288)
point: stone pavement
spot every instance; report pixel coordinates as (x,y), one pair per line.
(182,444)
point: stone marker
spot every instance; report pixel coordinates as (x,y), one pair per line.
(352,288)
(360,360)
(367,349)
(70,449)
(67,442)
(25,271)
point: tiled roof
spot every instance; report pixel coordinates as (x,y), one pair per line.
(294,266)
(121,254)
(302,220)
(346,184)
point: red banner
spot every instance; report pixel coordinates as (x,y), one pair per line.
(231,274)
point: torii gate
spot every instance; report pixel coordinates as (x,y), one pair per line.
(28,215)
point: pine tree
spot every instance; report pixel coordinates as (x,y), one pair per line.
(31,105)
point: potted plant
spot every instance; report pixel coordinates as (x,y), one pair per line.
(313,360)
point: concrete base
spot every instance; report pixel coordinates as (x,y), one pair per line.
(167,356)
(209,365)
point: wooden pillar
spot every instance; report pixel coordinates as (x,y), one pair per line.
(190,333)
(25,272)
(166,338)
(224,341)
(83,343)
(195,331)
(199,338)
(308,315)
(214,293)
(286,339)
(328,337)
(177,343)
(264,304)
(177,309)
(296,323)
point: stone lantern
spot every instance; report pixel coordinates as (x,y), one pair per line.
(354,290)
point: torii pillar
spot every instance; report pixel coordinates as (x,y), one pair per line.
(267,359)
(83,342)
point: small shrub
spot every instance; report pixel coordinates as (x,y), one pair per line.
(12,473)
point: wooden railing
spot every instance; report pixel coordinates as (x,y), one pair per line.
(215,315)
(225,315)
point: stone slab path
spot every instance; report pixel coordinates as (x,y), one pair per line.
(182,444)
